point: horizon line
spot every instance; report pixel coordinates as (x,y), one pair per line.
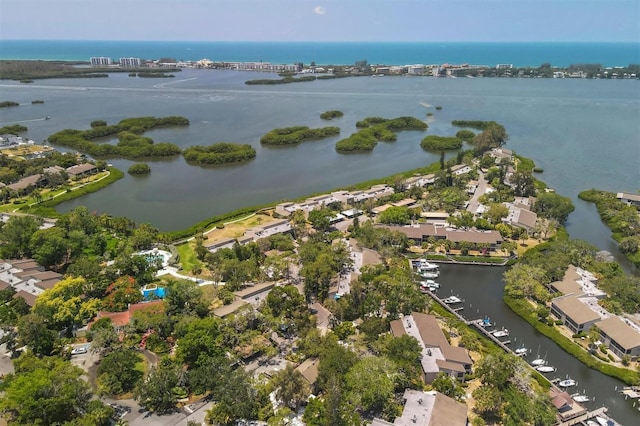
(332,41)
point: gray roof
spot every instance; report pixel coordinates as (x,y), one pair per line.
(577,311)
(618,330)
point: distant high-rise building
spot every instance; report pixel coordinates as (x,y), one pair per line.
(130,62)
(98,61)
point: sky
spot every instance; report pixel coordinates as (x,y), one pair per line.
(322,20)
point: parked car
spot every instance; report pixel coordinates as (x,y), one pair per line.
(79,350)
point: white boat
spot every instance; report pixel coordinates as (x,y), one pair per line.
(427,266)
(501,333)
(452,299)
(522,351)
(567,383)
(429,274)
(538,361)
(545,369)
(580,398)
(430,284)
(486,323)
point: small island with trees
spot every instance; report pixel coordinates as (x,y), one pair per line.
(330,115)
(374,129)
(138,169)
(296,134)
(440,143)
(131,143)
(219,153)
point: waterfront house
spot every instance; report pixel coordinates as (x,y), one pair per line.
(428,409)
(629,199)
(520,217)
(575,315)
(227,243)
(620,336)
(438,356)
(81,170)
(407,202)
(24,185)
(419,181)
(460,169)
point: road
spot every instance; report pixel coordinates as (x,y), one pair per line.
(474,203)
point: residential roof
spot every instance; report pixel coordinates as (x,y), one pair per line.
(25,182)
(491,237)
(577,311)
(225,310)
(79,169)
(429,409)
(628,196)
(29,298)
(309,370)
(623,334)
(253,289)
(405,202)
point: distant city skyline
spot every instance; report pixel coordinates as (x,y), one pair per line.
(322,20)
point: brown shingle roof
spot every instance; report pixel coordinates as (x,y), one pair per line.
(617,330)
(574,309)
(309,369)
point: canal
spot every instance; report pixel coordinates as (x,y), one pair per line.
(481,289)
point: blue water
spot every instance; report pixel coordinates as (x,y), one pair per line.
(518,54)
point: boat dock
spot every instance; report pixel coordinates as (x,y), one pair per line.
(475,323)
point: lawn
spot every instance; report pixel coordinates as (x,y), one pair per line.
(187,255)
(237,229)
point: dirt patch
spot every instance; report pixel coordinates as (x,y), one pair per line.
(237,229)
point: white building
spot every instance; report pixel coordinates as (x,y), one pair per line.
(130,62)
(99,61)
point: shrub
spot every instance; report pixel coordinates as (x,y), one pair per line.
(538,169)
(139,169)
(7,104)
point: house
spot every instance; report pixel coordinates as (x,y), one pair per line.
(419,181)
(25,183)
(500,154)
(122,319)
(460,169)
(578,282)
(563,402)
(27,277)
(309,370)
(80,170)
(422,232)
(407,202)
(428,409)
(621,337)
(629,199)
(520,217)
(439,218)
(575,315)
(437,354)
(227,243)
(264,231)
(54,170)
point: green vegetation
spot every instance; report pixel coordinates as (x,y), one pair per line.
(139,169)
(473,124)
(6,104)
(538,169)
(46,208)
(465,135)
(219,153)
(128,131)
(296,134)
(329,115)
(284,80)
(623,220)
(147,74)
(374,129)
(27,71)
(13,129)
(440,143)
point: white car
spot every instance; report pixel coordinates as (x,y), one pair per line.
(79,350)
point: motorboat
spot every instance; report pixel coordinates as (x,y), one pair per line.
(486,323)
(429,274)
(538,362)
(452,299)
(424,265)
(567,383)
(580,398)
(521,351)
(430,284)
(501,333)
(545,369)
